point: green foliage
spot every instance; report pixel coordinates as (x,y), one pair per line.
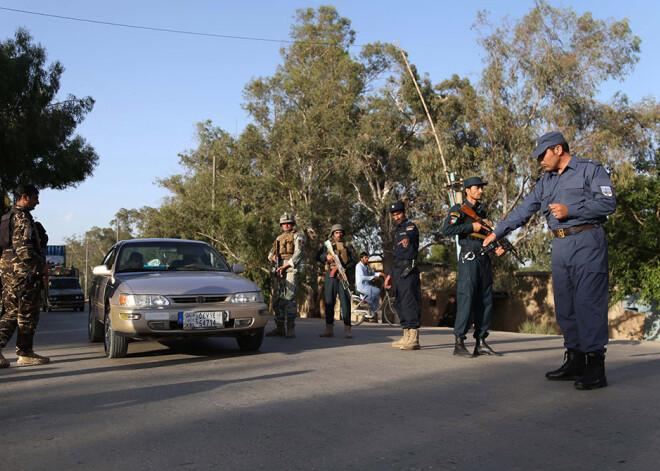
(529,327)
(337,137)
(36,134)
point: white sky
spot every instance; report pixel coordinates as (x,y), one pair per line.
(152,87)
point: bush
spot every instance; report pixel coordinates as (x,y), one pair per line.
(529,327)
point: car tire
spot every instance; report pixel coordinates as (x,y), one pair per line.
(94,329)
(115,345)
(250,341)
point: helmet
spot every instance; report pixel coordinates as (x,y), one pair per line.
(337,227)
(287,217)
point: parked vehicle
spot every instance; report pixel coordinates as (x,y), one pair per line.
(64,290)
(166,289)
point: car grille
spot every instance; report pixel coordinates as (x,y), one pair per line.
(197,299)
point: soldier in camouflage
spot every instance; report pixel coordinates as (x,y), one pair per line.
(22,266)
(287,253)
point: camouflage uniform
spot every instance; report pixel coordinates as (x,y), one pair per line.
(284,293)
(21,283)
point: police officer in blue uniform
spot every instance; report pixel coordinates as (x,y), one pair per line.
(576,196)
(404,276)
(475,271)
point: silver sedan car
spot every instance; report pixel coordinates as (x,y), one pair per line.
(164,289)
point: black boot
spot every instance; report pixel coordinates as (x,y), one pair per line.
(482,348)
(594,377)
(574,366)
(460,350)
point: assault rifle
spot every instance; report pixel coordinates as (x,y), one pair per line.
(340,268)
(506,245)
(487,229)
(278,262)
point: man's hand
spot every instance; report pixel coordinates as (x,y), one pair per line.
(490,238)
(405,242)
(388,282)
(476,227)
(330,258)
(282,269)
(559,211)
(499,251)
(274,258)
(333,272)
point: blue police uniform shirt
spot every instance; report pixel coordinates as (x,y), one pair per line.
(407,229)
(455,225)
(584,187)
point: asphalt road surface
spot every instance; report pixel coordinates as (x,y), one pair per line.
(315,403)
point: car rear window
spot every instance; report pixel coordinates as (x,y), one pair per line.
(64,283)
(169,256)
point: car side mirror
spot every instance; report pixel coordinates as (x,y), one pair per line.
(101,270)
(237,268)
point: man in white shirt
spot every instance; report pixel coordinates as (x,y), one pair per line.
(363,275)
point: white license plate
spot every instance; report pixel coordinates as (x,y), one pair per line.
(204,320)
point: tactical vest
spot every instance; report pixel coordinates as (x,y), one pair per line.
(6,230)
(287,244)
(341,249)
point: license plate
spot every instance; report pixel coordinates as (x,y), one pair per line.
(204,319)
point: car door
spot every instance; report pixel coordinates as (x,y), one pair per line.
(99,284)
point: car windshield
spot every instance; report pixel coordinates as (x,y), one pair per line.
(64,283)
(169,256)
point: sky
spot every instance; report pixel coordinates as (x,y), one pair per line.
(152,87)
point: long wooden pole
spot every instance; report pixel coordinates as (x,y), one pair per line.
(428,116)
(450,190)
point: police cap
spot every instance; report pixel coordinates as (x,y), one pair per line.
(398,206)
(474,181)
(337,227)
(547,140)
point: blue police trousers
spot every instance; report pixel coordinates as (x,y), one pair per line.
(580,281)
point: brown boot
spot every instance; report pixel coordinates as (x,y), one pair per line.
(278,331)
(347,332)
(328,332)
(412,342)
(290,330)
(4,363)
(402,340)
(32,359)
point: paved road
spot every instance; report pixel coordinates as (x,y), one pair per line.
(312,403)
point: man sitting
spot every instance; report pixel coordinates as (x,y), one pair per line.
(363,275)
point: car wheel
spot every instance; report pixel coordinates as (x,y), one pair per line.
(115,345)
(250,341)
(94,329)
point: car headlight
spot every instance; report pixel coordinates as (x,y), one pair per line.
(252,297)
(143,300)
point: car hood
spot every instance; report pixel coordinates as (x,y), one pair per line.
(181,283)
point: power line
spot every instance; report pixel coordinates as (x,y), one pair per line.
(165,30)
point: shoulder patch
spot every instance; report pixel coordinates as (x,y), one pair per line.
(410,228)
(453,220)
(606,190)
(458,215)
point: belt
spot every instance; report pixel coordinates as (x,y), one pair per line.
(467,248)
(404,263)
(561,233)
